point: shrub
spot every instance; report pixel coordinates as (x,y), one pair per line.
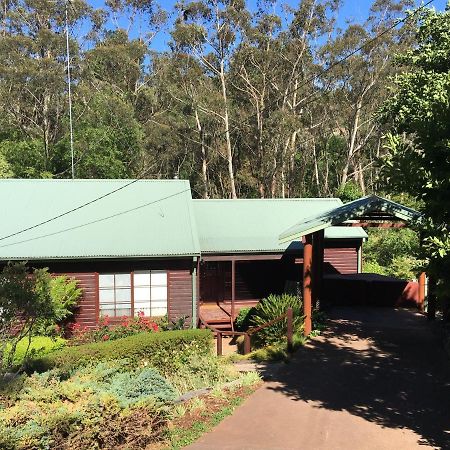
(64,295)
(102,407)
(167,350)
(270,308)
(242,321)
(130,388)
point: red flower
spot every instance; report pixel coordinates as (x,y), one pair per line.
(105,337)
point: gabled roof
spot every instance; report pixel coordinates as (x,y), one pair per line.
(147,218)
(371,206)
(253,225)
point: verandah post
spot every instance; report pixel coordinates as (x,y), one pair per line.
(422,282)
(290,329)
(307,282)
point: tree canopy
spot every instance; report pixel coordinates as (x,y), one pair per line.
(418,158)
(243,102)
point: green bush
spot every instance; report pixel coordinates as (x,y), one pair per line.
(130,388)
(102,406)
(242,321)
(270,308)
(166,350)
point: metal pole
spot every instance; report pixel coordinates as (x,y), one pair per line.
(69,84)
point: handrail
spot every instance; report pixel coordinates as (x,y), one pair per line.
(267,324)
(289,315)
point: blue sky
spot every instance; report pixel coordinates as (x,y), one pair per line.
(352,10)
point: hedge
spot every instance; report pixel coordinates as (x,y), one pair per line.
(166,350)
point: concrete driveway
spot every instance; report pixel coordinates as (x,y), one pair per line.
(377,379)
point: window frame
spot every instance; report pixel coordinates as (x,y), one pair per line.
(132,293)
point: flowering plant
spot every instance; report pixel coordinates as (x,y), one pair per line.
(110,330)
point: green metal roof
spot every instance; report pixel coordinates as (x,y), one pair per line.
(253,226)
(364,206)
(149,218)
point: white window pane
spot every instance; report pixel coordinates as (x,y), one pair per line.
(159,304)
(158,312)
(159,278)
(123,312)
(106,295)
(142,278)
(159,293)
(141,294)
(123,295)
(106,280)
(106,311)
(123,280)
(146,311)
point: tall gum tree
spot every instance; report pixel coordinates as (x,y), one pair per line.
(209,31)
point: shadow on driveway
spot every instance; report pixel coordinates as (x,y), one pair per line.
(383,365)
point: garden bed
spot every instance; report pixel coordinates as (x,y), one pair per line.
(113,394)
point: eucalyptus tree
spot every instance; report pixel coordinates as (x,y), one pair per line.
(210,30)
(33,88)
(359,84)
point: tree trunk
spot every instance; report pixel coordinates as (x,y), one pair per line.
(351,146)
(203,153)
(227,131)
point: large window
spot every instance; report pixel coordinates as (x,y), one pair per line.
(115,294)
(150,292)
(119,296)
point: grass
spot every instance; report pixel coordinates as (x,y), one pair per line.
(40,345)
(276,352)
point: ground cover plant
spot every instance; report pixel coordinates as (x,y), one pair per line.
(110,394)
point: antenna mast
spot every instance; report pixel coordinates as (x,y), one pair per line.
(69,82)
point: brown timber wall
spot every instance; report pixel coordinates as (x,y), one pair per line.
(179,284)
(87,312)
(341,260)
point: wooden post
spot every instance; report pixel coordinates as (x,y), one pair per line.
(219,343)
(432,301)
(317,273)
(422,282)
(233,288)
(290,329)
(307,282)
(247,344)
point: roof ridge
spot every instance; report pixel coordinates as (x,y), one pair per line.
(265,199)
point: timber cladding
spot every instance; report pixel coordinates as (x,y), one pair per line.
(179,285)
(341,260)
(87,312)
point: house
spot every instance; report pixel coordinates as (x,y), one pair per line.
(146,245)
(242,260)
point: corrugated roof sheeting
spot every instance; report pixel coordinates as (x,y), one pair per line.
(253,225)
(146,218)
(350,211)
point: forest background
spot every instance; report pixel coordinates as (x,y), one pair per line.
(245,99)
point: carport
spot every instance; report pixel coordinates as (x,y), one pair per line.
(369,211)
